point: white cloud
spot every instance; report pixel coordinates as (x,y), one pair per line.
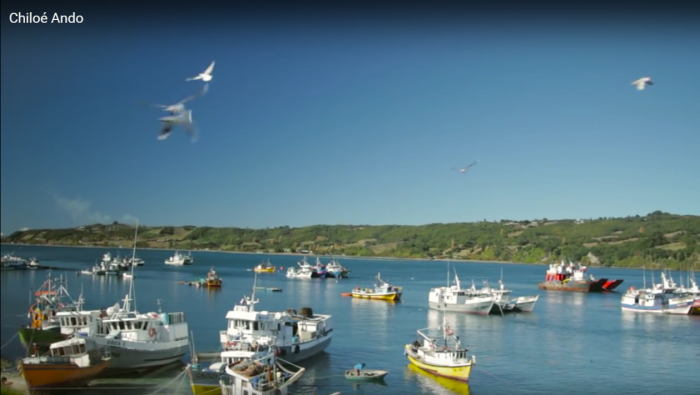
(81,212)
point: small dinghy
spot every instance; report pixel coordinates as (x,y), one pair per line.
(365,374)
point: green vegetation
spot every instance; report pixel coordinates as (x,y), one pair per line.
(659,239)
(10,391)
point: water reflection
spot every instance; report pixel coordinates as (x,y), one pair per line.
(432,384)
(375,311)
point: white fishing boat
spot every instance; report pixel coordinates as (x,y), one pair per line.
(336,270)
(179,259)
(33,263)
(138,340)
(659,299)
(301,272)
(297,335)
(251,334)
(503,302)
(454,298)
(135,261)
(265,376)
(128,275)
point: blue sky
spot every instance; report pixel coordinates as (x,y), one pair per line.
(348,124)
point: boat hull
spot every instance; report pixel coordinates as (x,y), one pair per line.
(521,304)
(59,375)
(377,296)
(130,356)
(365,375)
(578,286)
(270,270)
(460,373)
(480,307)
(40,337)
(695,308)
(675,310)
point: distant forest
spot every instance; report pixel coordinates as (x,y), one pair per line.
(655,240)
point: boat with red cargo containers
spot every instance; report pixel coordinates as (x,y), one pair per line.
(572,277)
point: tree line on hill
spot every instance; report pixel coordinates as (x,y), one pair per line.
(655,240)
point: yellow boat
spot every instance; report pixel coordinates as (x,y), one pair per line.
(382,291)
(265,267)
(450,361)
(434,382)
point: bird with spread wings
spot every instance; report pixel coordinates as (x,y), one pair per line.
(464,169)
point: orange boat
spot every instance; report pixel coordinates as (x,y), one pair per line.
(71,363)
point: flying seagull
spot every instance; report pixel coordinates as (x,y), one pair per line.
(643,82)
(206,75)
(464,169)
(180,106)
(184,119)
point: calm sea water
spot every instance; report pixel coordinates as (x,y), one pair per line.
(574,343)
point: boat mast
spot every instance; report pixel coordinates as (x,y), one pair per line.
(644,273)
(133,259)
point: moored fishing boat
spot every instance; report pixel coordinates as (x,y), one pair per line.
(179,259)
(251,334)
(336,270)
(382,291)
(447,359)
(212,281)
(656,301)
(265,267)
(455,298)
(265,376)
(504,303)
(51,298)
(71,363)
(319,271)
(572,277)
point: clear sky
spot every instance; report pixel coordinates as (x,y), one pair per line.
(354,123)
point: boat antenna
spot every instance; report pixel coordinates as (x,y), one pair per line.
(644,273)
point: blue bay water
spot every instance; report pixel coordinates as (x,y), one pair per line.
(572,342)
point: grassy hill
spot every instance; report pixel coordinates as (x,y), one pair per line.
(658,238)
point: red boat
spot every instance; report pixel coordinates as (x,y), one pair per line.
(572,277)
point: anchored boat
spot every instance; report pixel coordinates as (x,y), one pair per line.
(265,376)
(265,267)
(382,291)
(250,334)
(455,298)
(71,363)
(572,277)
(448,359)
(212,280)
(51,298)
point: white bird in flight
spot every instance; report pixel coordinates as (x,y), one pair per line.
(206,75)
(464,169)
(184,119)
(642,83)
(180,106)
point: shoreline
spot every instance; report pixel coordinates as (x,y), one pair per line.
(375,258)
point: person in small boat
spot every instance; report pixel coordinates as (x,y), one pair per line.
(6,383)
(358,368)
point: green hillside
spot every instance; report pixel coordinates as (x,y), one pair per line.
(659,238)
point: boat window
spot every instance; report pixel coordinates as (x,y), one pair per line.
(137,324)
(145,325)
(121,325)
(72,321)
(279,327)
(129,325)
(114,326)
